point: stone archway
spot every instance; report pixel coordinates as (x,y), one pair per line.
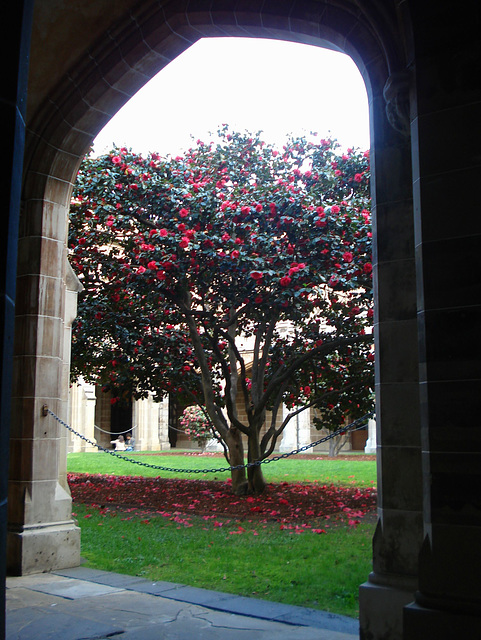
(42,534)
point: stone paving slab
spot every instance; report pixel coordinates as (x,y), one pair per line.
(230,603)
(74,589)
(80,604)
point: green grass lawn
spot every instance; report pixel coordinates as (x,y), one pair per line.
(256,559)
(324,470)
(321,571)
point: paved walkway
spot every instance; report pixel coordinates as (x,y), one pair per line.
(86,604)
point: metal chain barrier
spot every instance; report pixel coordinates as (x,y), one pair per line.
(354,426)
(120,433)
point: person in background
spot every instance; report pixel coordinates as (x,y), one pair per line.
(119,443)
(129,442)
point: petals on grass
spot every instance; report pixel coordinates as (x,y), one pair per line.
(178,500)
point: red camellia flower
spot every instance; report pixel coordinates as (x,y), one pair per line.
(257,275)
(358,177)
(335,208)
(141,269)
(184,242)
(285,281)
(164,233)
(367,267)
(116,159)
(225,237)
(152,265)
(347,256)
(183,213)
(235,253)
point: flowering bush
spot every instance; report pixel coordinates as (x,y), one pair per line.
(183,258)
(196,425)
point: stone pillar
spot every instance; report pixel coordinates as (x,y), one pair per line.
(82,416)
(297,432)
(371,442)
(448,248)
(42,535)
(164,423)
(73,288)
(150,424)
(399,531)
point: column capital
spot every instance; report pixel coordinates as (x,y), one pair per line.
(396,96)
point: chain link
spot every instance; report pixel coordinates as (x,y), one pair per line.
(354,426)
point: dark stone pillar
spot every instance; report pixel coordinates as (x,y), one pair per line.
(15,42)
(399,532)
(446,165)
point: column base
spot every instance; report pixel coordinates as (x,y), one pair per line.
(38,549)
(421,623)
(381,607)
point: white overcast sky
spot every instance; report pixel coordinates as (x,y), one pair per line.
(251,84)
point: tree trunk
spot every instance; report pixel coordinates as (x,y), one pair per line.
(236,457)
(337,443)
(255,477)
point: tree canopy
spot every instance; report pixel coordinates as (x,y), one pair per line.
(234,275)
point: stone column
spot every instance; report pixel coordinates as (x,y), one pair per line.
(82,416)
(398,536)
(42,535)
(164,423)
(371,442)
(73,288)
(297,432)
(151,424)
(448,248)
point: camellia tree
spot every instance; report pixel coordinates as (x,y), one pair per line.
(183,259)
